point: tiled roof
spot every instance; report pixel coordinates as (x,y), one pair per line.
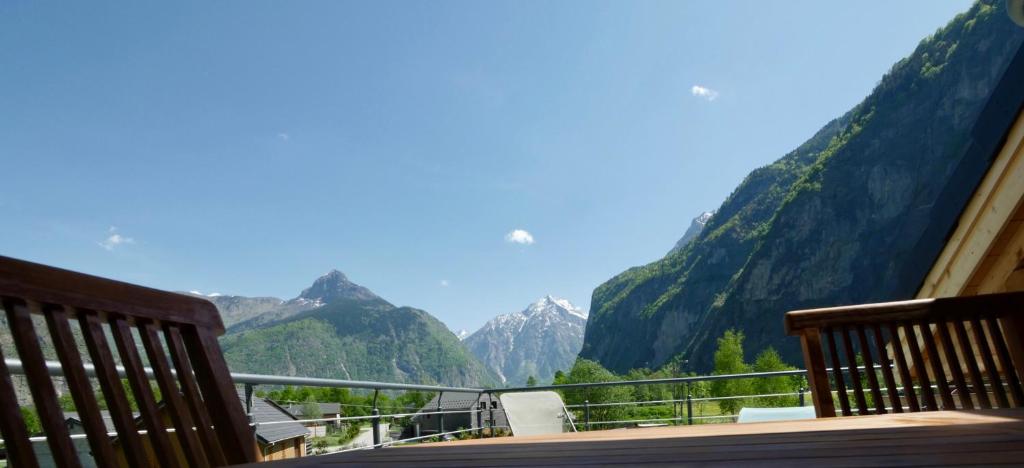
(107,421)
(454,401)
(295,409)
(464,401)
(264,411)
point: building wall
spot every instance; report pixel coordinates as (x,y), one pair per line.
(291,448)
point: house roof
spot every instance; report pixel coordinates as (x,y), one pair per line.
(296,409)
(987,138)
(108,422)
(463,401)
(453,401)
(264,411)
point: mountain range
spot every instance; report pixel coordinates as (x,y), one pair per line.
(338,329)
(537,341)
(842,219)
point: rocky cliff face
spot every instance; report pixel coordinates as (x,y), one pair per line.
(541,339)
(833,222)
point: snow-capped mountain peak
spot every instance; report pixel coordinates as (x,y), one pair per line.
(538,340)
(696,227)
(553,304)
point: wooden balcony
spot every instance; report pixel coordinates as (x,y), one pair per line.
(982,437)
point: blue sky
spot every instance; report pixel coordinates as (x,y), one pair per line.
(247,147)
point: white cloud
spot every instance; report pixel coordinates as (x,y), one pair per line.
(114,239)
(704,92)
(284,136)
(444,283)
(519,236)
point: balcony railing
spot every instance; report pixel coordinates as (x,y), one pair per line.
(686,408)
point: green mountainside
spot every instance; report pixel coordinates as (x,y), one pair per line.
(359,337)
(833,222)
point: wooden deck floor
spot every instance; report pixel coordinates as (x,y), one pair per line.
(987,437)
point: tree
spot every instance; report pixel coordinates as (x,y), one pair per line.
(729,360)
(531,381)
(587,371)
(28,414)
(311,409)
(559,378)
(770,361)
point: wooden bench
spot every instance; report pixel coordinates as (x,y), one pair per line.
(198,396)
(969,348)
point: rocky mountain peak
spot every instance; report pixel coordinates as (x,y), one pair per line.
(333,286)
(552,304)
(696,227)
(538,340)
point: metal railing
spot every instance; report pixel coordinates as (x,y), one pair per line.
(574,412)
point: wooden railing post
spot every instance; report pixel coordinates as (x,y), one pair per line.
(1013,332)
(817,375)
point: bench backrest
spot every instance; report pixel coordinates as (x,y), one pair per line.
(968,348)
(178,334)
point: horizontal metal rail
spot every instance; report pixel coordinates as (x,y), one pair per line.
(54,368)
(363,418)
(673,380)
(402,441)
(260,379)
(682,400)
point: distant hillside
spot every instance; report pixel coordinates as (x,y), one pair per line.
(543,338)
(837,221)
(235,309)
(348,332)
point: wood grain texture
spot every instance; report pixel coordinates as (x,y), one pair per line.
(139,383)
(193,397)
(901,365)
(12,426)
(174,406)
(869,366)
(851,363)
(954,365)
(49,285)
(948,308)
(844,401)
(984,437)
(887,375)
(922,372)
(44,394)
(113,392)
(995,379)
(204,395)
(817,377)
(58,322)
(232,427)
(968,350)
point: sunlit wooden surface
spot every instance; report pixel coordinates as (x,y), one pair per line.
(985,437)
